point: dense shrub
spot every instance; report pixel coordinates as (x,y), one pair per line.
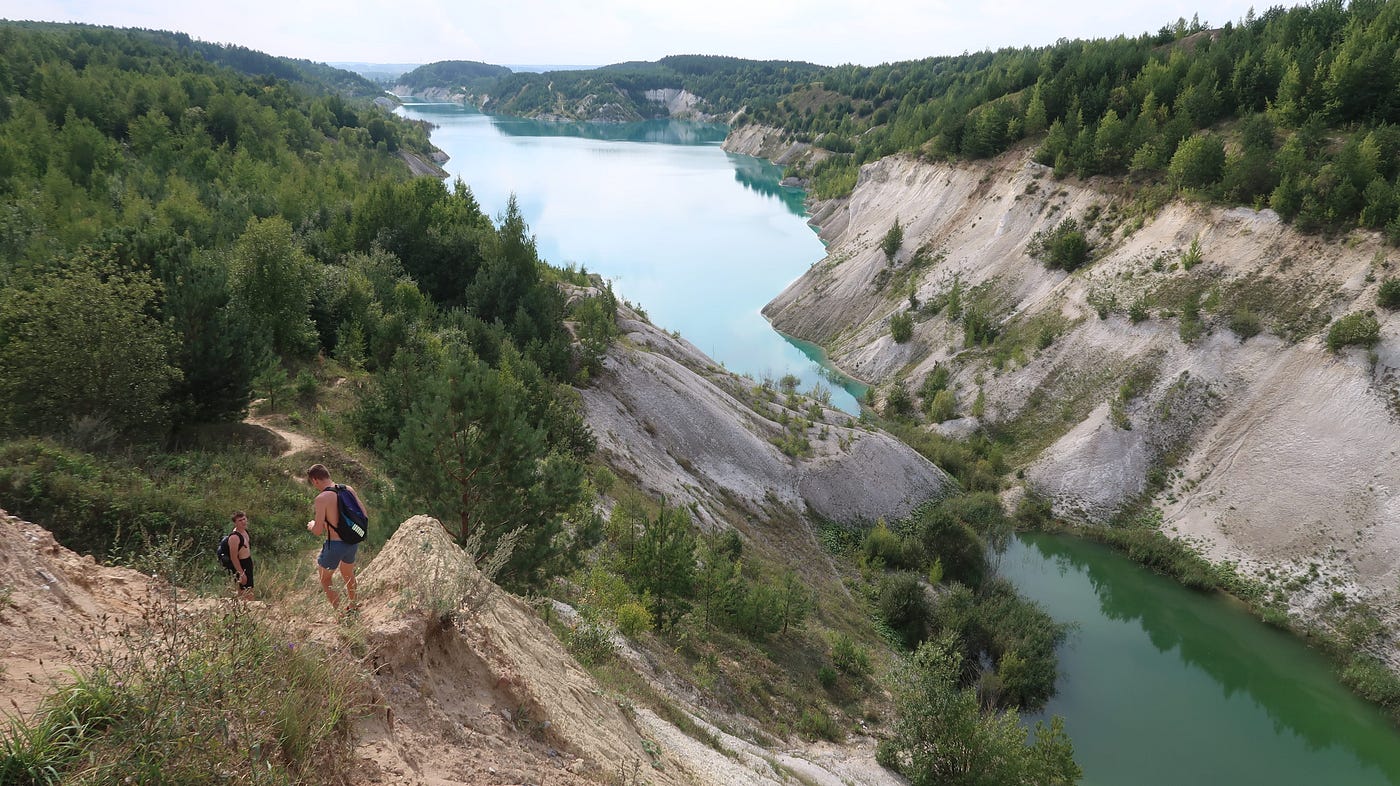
(943,738)
(901,327)
(1063,247)
(903,606)
(1245,324)
(1389,294)
(1359,328)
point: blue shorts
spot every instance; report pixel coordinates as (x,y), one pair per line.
(334,552)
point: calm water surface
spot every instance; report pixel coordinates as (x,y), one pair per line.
(1163,686)
(1159,686)
(699,238)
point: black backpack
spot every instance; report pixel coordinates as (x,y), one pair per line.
(223,553)
(354,522)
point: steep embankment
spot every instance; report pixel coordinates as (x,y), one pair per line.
(53,603)
(1272,451)
(678,425)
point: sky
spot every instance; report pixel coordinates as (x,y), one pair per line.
(506,32)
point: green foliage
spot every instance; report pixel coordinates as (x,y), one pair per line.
(659,564)
(1319,74)
(902,604)
(1012,632)
(272,281)
(1388,296)
(817,724)
(977,463)
(158,705)
(274,386)
(956,531)
(490,450)
(1150,547)
(726,83)
(1062,247)
(1373,681)
(81,341)
(942,738)
(596,320)
(1191,326)
(1245,324)
(898,402)
(450,74)
(943,406)
(1192,255)
(883,547)
(1359,328)
(835,177)
(849,657)
(1199,162)
(590,643)
(1137,311)
(901,327)
(120,507)
(891,242)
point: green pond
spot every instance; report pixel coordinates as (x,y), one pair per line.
(1159,685)
(1162,685)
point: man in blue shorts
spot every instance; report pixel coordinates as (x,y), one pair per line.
(335,554)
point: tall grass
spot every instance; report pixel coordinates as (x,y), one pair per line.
(213,696)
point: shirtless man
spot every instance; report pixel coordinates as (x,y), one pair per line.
(335,554)
(242,556)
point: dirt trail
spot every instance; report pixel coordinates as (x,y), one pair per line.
(296,443)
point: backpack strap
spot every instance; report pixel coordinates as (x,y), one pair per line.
(335,487)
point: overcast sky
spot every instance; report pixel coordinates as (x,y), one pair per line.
(828,32)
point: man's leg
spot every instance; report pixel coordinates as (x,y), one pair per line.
(331,595)
(347,572)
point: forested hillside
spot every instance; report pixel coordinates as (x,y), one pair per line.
(451,74)
(725,83)
(178,237)
(1289,109)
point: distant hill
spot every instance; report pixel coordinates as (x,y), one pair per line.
(249,62)
(633,90)
(379,73)
(451,74)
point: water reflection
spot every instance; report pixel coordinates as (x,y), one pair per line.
(818,355)
(764,178)
(1293,686)
(663,132)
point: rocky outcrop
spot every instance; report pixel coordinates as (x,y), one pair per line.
(676,424)
(422,167)
(486,693)
(1271,452)
(680,104)
(444,94)
(771,143)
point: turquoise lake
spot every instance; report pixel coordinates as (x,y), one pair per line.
(699,238)
(1159,685)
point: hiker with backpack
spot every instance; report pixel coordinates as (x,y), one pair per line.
(236,554)
(340,516)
